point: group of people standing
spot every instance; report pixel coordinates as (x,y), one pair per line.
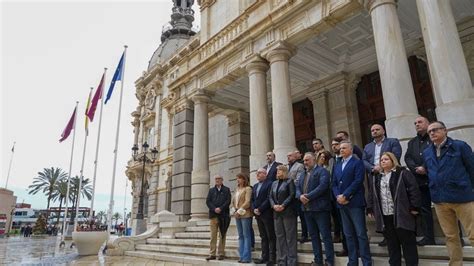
(325,184)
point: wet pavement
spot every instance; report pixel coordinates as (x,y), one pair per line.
(46,251)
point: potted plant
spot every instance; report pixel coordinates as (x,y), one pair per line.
(88,238)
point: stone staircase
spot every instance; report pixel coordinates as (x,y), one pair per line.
(191,246)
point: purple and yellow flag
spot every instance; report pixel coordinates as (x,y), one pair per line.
(95,99)
(87,109)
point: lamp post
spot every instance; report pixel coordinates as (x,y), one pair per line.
(144,159)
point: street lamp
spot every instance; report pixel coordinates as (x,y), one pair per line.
(145,160)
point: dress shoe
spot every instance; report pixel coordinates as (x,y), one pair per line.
(383,243)
(425,242)
(259,261)
(220,257)
(304,240)
(337,239)
(270,263)
(342,253)
(211,258)
(316,264)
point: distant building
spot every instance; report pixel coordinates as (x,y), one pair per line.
(7,205)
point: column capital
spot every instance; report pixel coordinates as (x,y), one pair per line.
(201,96)
(257,65)
(281,52)
(372,4)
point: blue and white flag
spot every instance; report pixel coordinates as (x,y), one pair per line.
(117,76)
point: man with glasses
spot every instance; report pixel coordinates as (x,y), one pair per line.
(450,166)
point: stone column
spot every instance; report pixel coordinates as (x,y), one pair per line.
(182,160)
(450,78)
(259,124)
(238,139)
(322,116)
(282,107)
(397,87)
(200,174)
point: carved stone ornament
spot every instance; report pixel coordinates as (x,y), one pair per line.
(150,99)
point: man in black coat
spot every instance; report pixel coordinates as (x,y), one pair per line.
(218,201)
(264,215)
(415,162)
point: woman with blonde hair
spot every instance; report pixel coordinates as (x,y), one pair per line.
(282,199)
(394,201)
(241,203)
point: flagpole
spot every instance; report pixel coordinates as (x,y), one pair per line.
(91,216)
(69,175)
(10,165)
(81,175)
(111,203)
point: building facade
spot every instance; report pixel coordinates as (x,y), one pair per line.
(265,75)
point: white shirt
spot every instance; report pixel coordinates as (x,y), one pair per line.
(378,149)
(344,161)
(386,198)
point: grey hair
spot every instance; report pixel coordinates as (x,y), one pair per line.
(310,154)
(347,142)
(261,170)
(218,176)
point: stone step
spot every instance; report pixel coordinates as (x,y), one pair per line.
(197,229)
(196,260)
(428,252)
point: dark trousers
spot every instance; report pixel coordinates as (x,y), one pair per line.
(300,213)
(320,224)
(285,231)
(426,213)
(336,217)
(266,228)
(399,239)
(355,231)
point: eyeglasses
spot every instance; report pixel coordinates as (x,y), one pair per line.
(436,129)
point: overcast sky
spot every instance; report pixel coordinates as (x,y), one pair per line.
(52,53)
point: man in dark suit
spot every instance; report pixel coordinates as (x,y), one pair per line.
(271,166)
(416,164)
(312,190)
(348,188)
(218,201)
(264,215)
(373,151)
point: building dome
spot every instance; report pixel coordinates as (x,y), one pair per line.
(176,33)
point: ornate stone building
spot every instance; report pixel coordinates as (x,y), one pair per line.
(266,75)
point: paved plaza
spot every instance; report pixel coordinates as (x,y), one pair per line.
(46,251)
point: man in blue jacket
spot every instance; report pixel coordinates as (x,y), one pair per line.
(313,192)
(264,215)
(450,165)
(348,188)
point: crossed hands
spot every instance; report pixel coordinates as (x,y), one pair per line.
(278,208)
(341,199)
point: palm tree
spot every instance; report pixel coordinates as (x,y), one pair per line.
(86,191)
(101,216)
(46,182)
(60,194)
(116,217)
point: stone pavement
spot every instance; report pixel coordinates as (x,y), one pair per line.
(46,251)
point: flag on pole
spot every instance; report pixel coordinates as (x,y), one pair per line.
(117,76)
(69,127)
(86,125)
(95,99)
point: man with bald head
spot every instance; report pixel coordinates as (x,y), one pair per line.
(414,161)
